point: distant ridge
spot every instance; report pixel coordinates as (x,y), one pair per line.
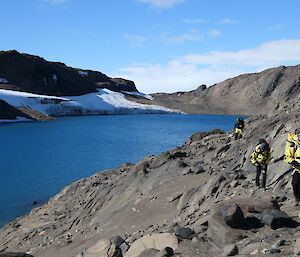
(255,93)
(33,74)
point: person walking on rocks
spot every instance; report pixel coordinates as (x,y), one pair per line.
(292,156)
(261,158)
(239,127)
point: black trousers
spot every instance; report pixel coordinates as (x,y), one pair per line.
(261,169)
(296,184)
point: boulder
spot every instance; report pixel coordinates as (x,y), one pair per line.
(200,135)
(223,224)
(185,198)
(200,224)
(197,167)
(230,250)
(167,252)
(103,248)
(231,214)
(296,247)
(117,240)
(184,233)
(156,241)
(276,219)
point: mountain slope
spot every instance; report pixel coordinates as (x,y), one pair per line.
(256,93)
(33,74)
(180,186)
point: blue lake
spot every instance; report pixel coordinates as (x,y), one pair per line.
(38,159)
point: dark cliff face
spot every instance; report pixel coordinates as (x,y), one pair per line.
(8,112)
(33,74)
(270,90)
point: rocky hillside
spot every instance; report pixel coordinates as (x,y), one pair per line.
(33,74)
(199,199)
(256,93)
(8,112)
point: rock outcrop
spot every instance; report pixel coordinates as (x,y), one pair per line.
(28,73)
(8,112)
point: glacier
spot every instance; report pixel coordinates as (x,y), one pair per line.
(104,101)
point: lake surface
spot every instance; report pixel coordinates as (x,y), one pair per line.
(38,159)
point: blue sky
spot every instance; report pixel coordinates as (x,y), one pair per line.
(162,45)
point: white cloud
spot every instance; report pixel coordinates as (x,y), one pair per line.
(187,72)
(214,32)
(135,40)
(267,54)
(194,21)
(228,21)
(162,3)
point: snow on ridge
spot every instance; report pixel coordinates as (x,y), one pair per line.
(83,73)
(149,97)
(54,77)
(4,81)
(104,101)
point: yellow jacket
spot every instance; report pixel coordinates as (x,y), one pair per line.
(260,157)
(292,149)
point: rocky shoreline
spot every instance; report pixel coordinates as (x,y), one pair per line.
(199,199)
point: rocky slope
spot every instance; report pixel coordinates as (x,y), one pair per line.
(33,74)
(8,112)
(272,90)
(173,199)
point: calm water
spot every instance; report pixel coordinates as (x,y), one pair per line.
(39,158)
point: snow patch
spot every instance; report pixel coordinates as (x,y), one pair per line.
(3,81)
(149,97)
(102,102)
(83,73)
(54,77)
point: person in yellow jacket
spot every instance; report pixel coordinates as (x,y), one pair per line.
(238,128)
(292,156)
(261,158)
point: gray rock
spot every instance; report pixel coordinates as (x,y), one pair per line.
(219,232)
(276,219)
(230,250)
(297,247)
(149,253)
(231,214)
(156,241)
(167,252)
(183,233)
(117,240)
(197,168)
(275,250)
(124,248)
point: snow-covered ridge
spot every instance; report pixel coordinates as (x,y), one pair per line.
(102,102)
(149,97)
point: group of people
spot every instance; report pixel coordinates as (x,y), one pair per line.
(261,157)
